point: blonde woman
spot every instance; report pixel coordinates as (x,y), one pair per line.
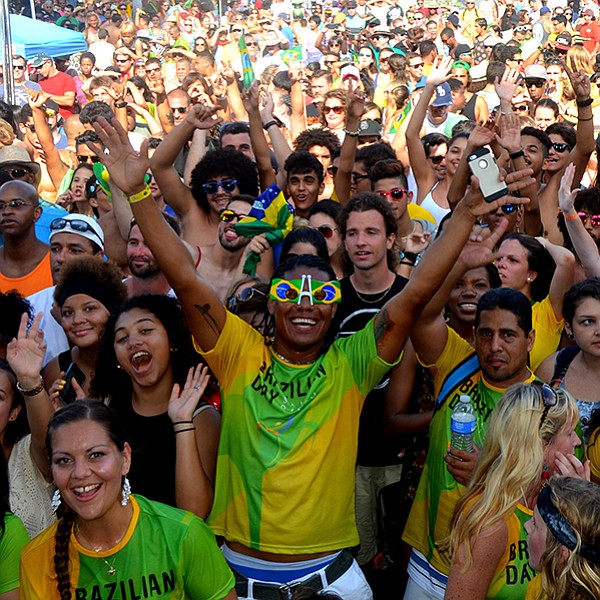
(531,437)
(563,540)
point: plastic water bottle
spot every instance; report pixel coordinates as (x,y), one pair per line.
(462,425)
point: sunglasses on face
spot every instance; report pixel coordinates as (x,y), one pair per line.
(338,110)
(317,292)
(251,44)
(356,177)
(508,209)
(396,194)
(537,83)
(595,219)
(212,187)
(327,231)
(180,109)
(19,67)
(227,215)
(14,204)
(549,398)
(31,127)
(17,172)
(561,147)
(436,160)
(242,297)
(416,65)
(122,60)
(85,159)
(521,108)
(148,70)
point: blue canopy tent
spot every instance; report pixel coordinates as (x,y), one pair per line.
(32,36)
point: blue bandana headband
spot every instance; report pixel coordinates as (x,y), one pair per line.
(560,528)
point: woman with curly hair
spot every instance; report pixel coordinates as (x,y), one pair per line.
(564,540)
(530,438)
(88,290)
(146,366)
(108,541)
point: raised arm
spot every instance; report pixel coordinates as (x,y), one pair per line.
(396,319)
(204,312)
(281,148)
(583,243)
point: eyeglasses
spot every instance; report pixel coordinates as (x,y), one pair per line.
(561,147)
(17,172)
(521,108)
(19,67)
(356,177)
(242,297)
(549,398)
(251,44)
(85,159)
(436,160)
(537,83)
(227,215)
(396,194)
(179,109)
(595,219)
(212,187)
(338,110)
(14,204)
(78,225)
(327,231)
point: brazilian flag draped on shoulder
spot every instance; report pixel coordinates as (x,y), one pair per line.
(247,69)
(271,215)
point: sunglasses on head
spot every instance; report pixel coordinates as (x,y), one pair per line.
(436,160)
(227,215)
(227,185)
(549,398)
(242,297)
(395,194)
(85,159)
(73,224)
(595,219)
(561,147)
(338,110)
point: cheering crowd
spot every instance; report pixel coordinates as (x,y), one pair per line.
(253,258)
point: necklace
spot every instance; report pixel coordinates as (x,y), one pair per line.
(292,362)
(379,298)
(111,568)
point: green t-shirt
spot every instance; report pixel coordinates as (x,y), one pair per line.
(287,452)
(165,553)
(11,543)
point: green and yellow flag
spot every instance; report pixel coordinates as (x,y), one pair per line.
(248,71)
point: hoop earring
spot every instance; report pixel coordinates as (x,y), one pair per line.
(125,492)
(56,500)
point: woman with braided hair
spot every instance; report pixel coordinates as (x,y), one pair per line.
(108,543)
(564,540)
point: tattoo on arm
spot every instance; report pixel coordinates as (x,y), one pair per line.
(204,310)
(383,326)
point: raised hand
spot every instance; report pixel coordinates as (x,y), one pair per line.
(440,72)
(479,249)
(566,196)
(481,136)
(355,105)
(182,404)
(203,117)
(580,82)
(510,132)
(250,98)
(25,353)
(506,86)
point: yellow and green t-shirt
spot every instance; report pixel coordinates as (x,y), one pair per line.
(165,553)
(287,452)
(456,372)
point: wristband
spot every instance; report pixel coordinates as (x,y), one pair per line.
(570,217)
(269,124)
(121,104)
(33,391)
(182,422)
(410,256)
(188,429)
(407,263)
(584,103)
(588,119)
(517,154)
(352,133)
(142,195)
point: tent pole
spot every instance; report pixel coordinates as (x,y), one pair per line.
(32,7)
(9,84)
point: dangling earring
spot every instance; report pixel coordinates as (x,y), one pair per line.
(56,500)
(125,492)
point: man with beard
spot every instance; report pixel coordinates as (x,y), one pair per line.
(221,263)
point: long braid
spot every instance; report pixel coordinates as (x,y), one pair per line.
(61,553)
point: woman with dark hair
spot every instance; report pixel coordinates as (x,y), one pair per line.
(247,298)
(148,371)
(546,113)
(333,112)
(304,240)
(577,368)
(543,272)
(13,538)
(563,540)
(323,217)
(197,88)
(74,199)
(108,539)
